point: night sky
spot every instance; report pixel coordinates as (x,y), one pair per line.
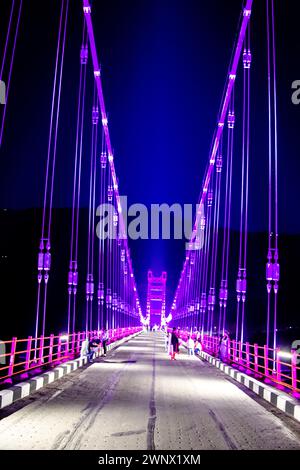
(164,64)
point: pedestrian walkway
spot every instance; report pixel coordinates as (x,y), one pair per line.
(136,398)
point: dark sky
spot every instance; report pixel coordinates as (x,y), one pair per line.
(164,64)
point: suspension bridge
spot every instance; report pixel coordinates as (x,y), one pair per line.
(127,394)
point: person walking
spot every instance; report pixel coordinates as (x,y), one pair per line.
(104,340)
(191,346)
(223,347)
(174,345)
(167,340)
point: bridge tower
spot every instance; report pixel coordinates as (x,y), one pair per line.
(156,298)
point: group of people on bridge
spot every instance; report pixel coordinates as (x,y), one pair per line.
(194,343)
(90,347)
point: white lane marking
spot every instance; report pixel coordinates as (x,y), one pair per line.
(58,392)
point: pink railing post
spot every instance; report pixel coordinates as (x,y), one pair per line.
(28,352)
(59,346)
(12,357)
(278,365)
(51,348)
(72,343)
(78,343)
(256,357)
(234,350)
(266,360)
(294,369)
(66,345)
(41,349)
(240,357)
(216,346)
(247,355)
(229,346)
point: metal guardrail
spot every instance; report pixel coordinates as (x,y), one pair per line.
(278,366)
(19,356)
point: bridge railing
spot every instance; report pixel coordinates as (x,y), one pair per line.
(274,365)
(20,356)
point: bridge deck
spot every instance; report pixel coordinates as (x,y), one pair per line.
(136,398)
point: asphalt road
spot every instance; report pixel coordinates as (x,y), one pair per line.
(136,398)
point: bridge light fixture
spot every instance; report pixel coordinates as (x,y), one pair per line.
(64,337)
(284,355)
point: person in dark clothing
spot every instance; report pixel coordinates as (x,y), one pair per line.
(174,344)
(104,340)
(223,347)
(93,346)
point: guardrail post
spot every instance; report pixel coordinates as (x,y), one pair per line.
(73,342)
(51,348)
(256,357)
(77,336)
(59,346)
(266,360)
(66,345)
(215,345)
(247,355)
(41,350)
(229,348)
(28,352)
(12,357)
(294,369)
(240,352)
(278,365)
(234,350)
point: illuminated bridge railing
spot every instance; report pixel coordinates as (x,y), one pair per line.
(20,356)
(277,366)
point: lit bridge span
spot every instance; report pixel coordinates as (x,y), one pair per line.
(135,397)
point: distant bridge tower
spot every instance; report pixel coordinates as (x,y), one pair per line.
(156,298)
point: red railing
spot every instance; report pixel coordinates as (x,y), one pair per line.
(277,366)
(19,356)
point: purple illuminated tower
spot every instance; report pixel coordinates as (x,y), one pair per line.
(156,298)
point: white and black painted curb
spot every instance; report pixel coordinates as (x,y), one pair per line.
(24,389)
(281,401)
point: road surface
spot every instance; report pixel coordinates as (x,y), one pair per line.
(136,398)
